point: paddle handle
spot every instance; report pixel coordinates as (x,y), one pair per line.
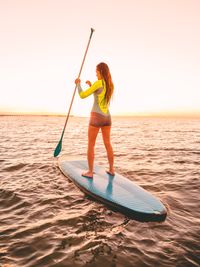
(92,30)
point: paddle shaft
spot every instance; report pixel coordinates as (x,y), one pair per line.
(92,30)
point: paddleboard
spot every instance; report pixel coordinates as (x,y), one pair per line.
(118,192)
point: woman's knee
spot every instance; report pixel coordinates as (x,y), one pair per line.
(91,145)
(108,145)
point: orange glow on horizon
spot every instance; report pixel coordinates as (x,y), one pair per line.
(154,60)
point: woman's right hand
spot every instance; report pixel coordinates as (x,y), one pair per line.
(88,83)
(77,81)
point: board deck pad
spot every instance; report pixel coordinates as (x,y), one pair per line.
(118,192)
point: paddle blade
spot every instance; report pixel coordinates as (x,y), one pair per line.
(58,148)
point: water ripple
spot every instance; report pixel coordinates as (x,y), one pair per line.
(47,221)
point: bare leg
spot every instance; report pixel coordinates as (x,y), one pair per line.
(106,138)
(92,135)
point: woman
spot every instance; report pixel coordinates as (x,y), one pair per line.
(100,117)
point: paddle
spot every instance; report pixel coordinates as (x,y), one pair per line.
(59,145)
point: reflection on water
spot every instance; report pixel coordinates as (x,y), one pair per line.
(47,221)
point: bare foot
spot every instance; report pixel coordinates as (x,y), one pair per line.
(88,174)
(111,172)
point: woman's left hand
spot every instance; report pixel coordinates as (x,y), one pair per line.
(77,81)
(88,83)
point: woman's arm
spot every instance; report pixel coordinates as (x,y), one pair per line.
(95,86)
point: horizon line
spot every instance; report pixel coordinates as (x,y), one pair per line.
(136,114)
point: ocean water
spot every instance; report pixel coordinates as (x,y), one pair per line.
(45,220)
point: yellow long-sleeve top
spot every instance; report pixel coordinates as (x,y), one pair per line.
(98,89)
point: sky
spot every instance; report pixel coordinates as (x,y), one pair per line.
(151,46)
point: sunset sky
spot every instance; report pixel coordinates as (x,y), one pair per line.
(151,46)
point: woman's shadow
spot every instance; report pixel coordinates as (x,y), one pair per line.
(109,188)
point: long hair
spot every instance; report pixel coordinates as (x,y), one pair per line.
(106,76)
